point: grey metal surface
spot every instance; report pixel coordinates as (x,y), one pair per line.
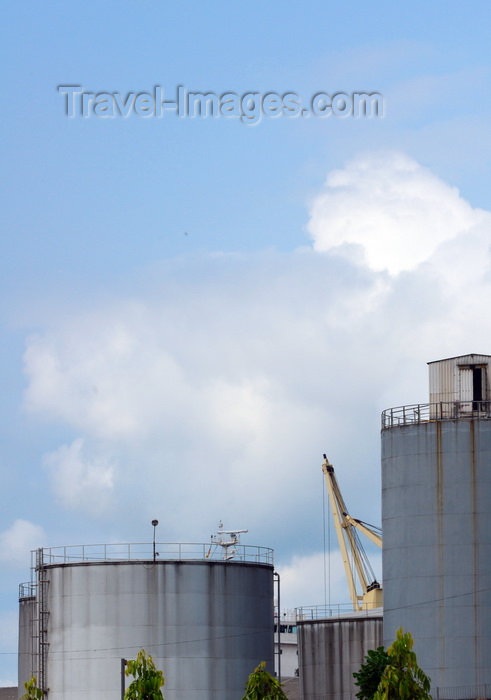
(207,625)
(436,519)
(27,641)
(330,650)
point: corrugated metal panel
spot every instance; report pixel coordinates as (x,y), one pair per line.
(465,384)
(446,382)
(443,381)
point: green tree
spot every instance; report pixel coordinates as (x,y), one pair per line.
(261,685)
(370,673)
(148,680)
(32,690)
(403,679)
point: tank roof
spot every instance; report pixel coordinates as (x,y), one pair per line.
(460,357)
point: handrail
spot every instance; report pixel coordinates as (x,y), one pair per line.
(27,589)
(321,612)
(169,551)
(443,410)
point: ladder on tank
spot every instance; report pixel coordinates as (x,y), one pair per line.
(39,622)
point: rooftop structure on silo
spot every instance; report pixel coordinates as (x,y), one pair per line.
(465,381)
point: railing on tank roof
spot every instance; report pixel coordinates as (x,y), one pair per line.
(28,589)
(443,410)
(72,554)
(320,612)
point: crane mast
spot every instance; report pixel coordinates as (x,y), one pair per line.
(356,565)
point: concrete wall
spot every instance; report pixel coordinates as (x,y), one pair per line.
(331,650)
(206,624)
(436,519)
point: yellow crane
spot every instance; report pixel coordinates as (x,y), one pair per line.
(356,565)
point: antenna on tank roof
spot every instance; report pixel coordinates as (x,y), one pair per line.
(229,540)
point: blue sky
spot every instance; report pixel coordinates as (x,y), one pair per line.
(194,310)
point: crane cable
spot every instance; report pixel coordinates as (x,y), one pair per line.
(327,559)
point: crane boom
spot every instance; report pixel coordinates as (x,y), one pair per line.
(372,534)
(371,593)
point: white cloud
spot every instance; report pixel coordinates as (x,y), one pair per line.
(81,482)
(388,211)
(213,392)
(313,580)
(17,542)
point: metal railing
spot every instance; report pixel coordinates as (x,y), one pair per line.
(179,551)
(443,410)
(320,612)
(27,589)
(464,692)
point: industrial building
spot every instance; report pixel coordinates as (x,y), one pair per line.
(204,613)
(286,645)
(436,521)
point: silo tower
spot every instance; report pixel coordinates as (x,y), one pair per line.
(436,520)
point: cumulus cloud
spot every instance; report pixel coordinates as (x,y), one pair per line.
(313,579)
(81,482)
(389,212)
(17,542)
(213,392)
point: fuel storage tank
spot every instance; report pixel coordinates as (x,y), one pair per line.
(332,645)
(436,520)
(207,621)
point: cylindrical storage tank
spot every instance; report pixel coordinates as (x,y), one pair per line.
(436,520)
(206,623)
(330,650)
(27,636)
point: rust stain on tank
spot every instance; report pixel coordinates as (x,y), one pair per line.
(439,494)
(474,533)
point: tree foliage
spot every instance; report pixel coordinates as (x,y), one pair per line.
(403,679)
(32,690)
(148,680)
(261,685)
(370,673)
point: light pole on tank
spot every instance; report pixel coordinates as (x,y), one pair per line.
(154,523)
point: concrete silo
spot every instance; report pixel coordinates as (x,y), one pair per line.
(207,620)
(436,520)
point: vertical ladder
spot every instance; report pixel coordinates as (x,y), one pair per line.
(33,625)
(42,621)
